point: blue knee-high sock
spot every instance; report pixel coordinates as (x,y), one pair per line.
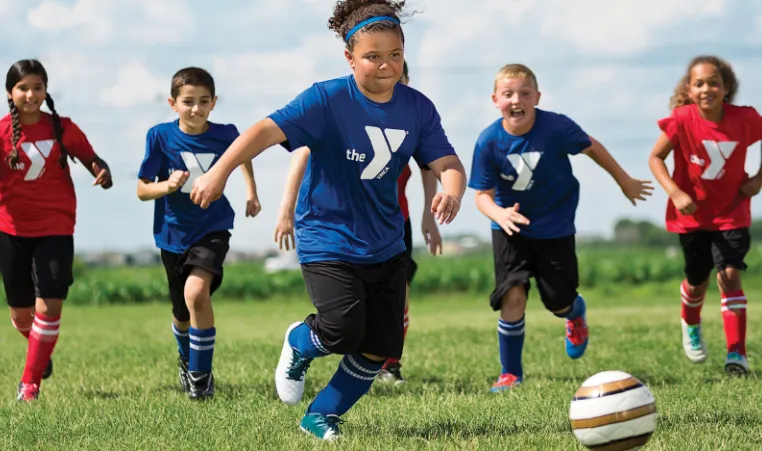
(577,309)
(350,382)
(307,342)
(183,342)
(201,349)
(510,336)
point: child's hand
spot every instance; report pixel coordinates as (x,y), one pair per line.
(253,207)
(103,174)
(752,186)
(176,180)
(683,203)
(635,189)
(445,207)
(511,219)
(284,229)
(431,233)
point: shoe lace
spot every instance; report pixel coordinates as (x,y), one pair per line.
(299,366)
(694,335)
(330,421)
(576,330)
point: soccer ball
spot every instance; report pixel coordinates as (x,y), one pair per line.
(613,410)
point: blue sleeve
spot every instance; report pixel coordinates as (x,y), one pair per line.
(149,168)
(303,120)
(483,174)
(433,143)
(574,138)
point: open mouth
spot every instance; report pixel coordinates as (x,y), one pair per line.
(517,112)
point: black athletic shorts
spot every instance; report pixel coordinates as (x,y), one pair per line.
(704,250)
(39,267)
(209,254)
(360,308)
(412,266)
(552,263)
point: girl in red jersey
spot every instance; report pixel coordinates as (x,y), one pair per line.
(710,198)
(38,213)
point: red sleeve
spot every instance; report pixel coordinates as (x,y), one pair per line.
(669,126)
(756,125)
(76,142)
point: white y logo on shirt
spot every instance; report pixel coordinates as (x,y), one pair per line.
(384,144)
(719,154)
(38,153)
(197,164)
(524,164)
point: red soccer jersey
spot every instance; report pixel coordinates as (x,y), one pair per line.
(38,198)
(710,164)
(401,186)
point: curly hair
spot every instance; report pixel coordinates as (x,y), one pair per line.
(348,13)
(729,80)
(17,71)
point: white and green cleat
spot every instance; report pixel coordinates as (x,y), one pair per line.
(693,342)
(324,427)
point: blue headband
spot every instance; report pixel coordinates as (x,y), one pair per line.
(365,22)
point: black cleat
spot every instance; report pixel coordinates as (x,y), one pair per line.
(48,370)
(201,385)
(182,373)
(392,373)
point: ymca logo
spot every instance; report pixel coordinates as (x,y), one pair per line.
(197,164)
(719,154)
(384,143)
(38,153)
(524,165)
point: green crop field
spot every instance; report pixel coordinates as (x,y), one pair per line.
(115,384)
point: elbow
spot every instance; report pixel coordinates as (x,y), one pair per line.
(142,194)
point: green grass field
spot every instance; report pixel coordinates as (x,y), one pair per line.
(115,383)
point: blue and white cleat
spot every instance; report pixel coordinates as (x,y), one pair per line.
(324,427)
(290,372)
(693,342)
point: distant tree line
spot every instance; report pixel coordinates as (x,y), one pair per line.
(628,232)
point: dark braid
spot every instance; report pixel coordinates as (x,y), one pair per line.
(58,130)
(14,157)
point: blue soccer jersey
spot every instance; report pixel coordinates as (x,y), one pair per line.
(179,223)
(533,170)
(347,208)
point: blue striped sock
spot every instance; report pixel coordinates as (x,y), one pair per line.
(577,309)
(350,382)
(201,349)
(183,342)
(510,337)
(307,342)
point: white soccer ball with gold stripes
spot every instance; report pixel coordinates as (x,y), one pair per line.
(613,411)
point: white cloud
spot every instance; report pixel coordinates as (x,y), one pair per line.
(135,85)
(91,18)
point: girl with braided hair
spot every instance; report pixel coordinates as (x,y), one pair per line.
(38,213)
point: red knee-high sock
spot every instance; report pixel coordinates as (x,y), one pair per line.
(734,320)
(42,340)
(404,336)
(23,331)
(691,306)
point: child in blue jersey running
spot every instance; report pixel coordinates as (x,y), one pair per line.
(361,130)
(193,241)
(524,183)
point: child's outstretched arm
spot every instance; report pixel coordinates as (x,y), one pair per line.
(429,226)
(150,190)
(452,175)
(633,189)
(509,219)
(253,207)
(682,201)
(284,228)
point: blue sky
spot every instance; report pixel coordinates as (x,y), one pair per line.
(610,65)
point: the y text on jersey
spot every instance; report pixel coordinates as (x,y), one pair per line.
(719,153)
(38,153)
(384,143)
(524,164)
(197,164)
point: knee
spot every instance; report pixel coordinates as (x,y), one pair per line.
(514,301)
(348,337)
(49,307)
(196,292)
(695,291)
(729,279)
(22,318)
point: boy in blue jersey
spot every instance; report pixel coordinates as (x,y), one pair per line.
(361,130)
(193,241)
(524,183)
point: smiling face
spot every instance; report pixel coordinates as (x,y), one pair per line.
(29,94)
(377,58)
(516,96)
(193,105)
(706,88)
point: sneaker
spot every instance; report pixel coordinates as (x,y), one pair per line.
(392,373)
(505,382)
(48,370)
(182,374)
(201,385)
(290,372)
(324,427)
(27,392)
(736,364)
(576,336)
(693,342)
